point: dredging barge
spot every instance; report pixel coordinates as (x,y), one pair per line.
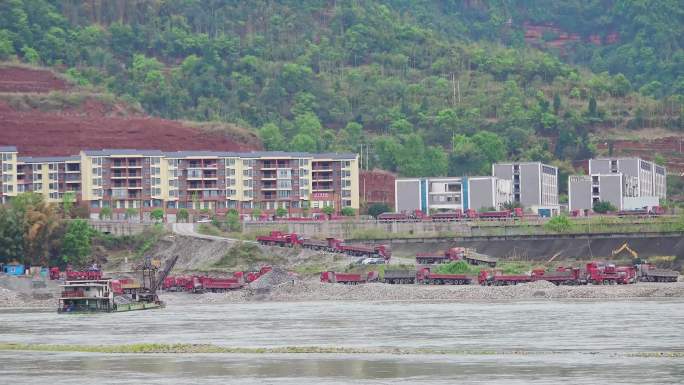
(90,292)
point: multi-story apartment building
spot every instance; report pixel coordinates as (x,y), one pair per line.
(216,181)
(8,173)
(627,183)
(50,176)
(535,185)
(649,178)
(451,193)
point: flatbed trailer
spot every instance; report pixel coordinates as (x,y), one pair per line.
(497,278)
(561,276)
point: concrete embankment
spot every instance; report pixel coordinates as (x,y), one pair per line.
(544,247)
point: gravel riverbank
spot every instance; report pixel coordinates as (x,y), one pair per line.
(312,290)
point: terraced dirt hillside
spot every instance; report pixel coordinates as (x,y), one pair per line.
(43,115)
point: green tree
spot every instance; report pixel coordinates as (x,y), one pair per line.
(11,236)
(376,209)
(280,212)
(76,245)
(182,215)
(256,213)
(272,137)
(603,207)
(157,215)
(559,224)
(303,143)
(131,213)
(30,55)
(348,212)
(233,221)
(105,213)
(328,210)
(6,47)
(68,200)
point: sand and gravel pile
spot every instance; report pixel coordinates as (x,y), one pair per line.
(312,290)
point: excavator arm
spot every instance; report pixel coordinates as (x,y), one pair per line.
(170,263)
(625,247)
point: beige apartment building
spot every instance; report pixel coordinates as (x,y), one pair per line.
(195,180)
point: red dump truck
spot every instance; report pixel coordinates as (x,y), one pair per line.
(348,278)
(426,277)
(221,284)
(498,278)
(560,276)
(278,238)
(87,275)
(601,273)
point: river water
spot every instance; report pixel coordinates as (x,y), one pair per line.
(539,342)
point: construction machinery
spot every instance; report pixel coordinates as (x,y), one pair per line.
(625,247)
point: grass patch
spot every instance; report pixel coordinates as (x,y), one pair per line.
(213,230)
(245,254)
(364,269)
(458,267)
(209,348)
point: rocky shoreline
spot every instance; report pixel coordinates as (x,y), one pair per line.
(278,286)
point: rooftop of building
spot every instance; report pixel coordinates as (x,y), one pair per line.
(220,154)
(48,159)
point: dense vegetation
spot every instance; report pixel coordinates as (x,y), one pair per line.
(39,233)
(433,87)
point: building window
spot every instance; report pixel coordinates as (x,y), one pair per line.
(284,193)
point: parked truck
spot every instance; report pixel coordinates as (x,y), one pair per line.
(278,238)
(349,278)
(598,273)
(560,276)
(426,277)
(646,272)
(498,278)
(406,276)
(455,254)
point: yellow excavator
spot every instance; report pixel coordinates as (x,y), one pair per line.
(625,247)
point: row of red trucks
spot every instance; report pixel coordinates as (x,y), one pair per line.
(201,284)
(597,273)
(333,245)
(516,213)
(450,216)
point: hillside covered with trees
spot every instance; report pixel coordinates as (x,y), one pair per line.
(433,87)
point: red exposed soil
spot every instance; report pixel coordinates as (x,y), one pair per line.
(96,125)
(38,133)
(672,148)
(19,79)
(377,186)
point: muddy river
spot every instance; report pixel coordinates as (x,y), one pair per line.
(540,342)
